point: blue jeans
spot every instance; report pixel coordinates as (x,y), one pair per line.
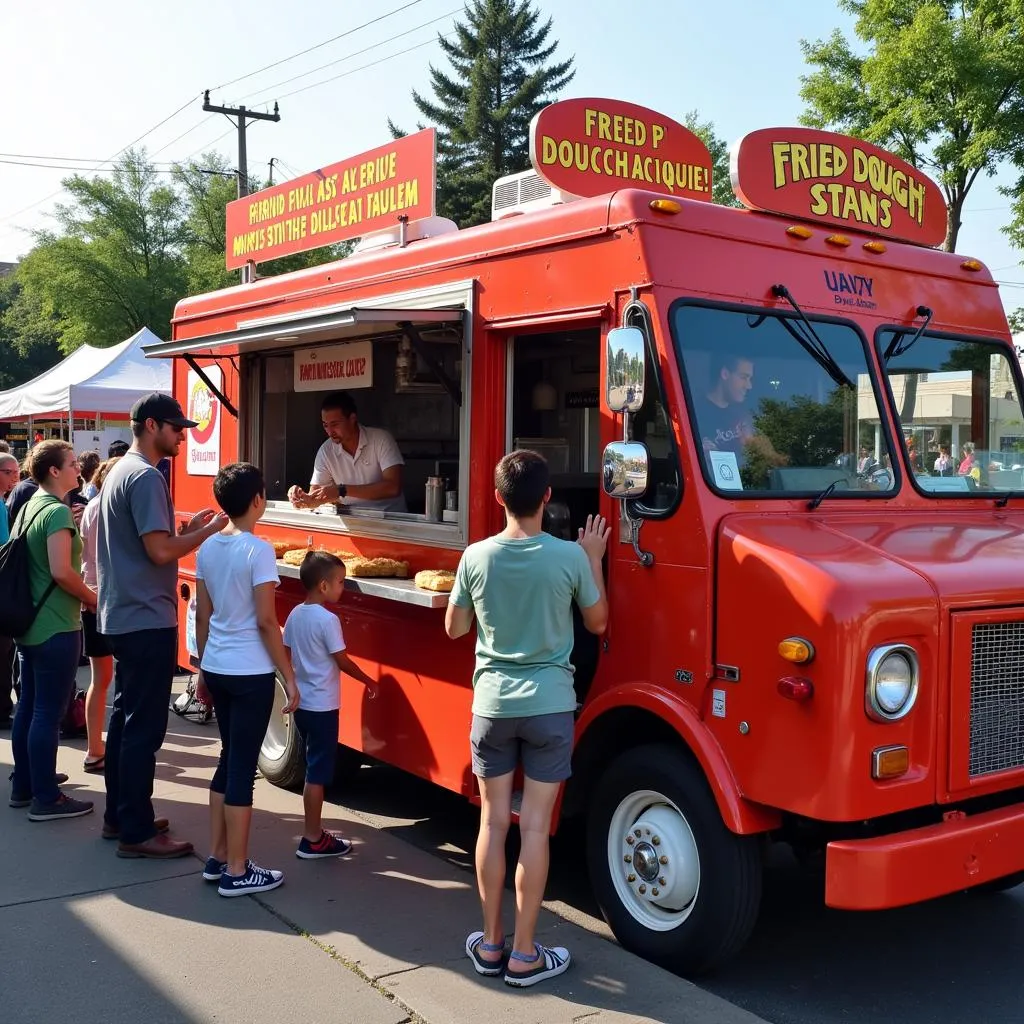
(48,673)
(144,672)
(242,705)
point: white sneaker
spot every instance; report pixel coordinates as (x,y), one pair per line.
(255,879)
(550,960)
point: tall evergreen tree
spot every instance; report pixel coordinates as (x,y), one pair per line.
(500,77)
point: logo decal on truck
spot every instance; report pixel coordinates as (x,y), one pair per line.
(851,289)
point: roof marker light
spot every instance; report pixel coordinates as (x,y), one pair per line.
(878,247)
(799,231)
(840,240)
(666,206)
(973,265)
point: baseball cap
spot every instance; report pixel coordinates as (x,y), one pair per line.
(162,408)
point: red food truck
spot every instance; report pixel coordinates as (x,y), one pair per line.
(804,420)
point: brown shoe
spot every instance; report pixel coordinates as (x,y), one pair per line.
(112,832)
(160,847)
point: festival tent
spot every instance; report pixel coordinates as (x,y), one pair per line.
(93,381)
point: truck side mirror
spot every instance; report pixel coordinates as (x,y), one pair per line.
(626,368)
(626,465)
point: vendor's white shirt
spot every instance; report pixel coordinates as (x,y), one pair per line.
(376,452)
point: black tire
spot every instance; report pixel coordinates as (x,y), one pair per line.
(724,909)
(282,759)
(998,884)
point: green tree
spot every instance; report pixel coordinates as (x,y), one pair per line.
(501,75)
(941,84)
(114,265)
(28,337)
(721,180)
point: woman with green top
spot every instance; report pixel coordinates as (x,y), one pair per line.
(48,653)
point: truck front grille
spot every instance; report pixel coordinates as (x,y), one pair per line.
(997,697)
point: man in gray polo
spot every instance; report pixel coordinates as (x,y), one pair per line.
(137,552)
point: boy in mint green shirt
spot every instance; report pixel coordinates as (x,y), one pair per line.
(520,587)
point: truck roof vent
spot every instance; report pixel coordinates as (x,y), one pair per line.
(523,193)
(427,227)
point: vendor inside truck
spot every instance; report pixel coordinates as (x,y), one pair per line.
(361,467)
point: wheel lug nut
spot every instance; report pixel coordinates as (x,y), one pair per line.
(637,833)
(642,889)
(628,859)
(663,859)
(655,892)
(647,831)
(630,840)
(661,881)
(656,840)
(630,878)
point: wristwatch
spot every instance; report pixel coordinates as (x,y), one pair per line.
(342,490)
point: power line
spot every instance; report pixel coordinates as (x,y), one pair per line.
(356,53)
(352,71)
(188,131)
(317,46)
(52,195)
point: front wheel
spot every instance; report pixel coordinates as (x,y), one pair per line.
(675,885)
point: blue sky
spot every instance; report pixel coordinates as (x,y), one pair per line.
(96,76)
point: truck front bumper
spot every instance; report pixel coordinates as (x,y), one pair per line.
(922,863)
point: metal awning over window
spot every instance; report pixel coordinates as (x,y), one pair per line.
(291,331)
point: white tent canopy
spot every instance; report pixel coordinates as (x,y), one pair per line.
(93,380)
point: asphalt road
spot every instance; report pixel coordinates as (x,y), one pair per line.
(951,961)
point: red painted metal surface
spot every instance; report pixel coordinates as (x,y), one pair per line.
(896,870)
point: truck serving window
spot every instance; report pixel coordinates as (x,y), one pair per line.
(959,409)
(416,393)
(776,413)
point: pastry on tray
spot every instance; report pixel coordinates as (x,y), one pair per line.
(293,555)
(379,567)
(441,580)
(281,546)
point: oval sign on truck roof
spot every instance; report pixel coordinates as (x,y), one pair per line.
(588,147)
(822,176)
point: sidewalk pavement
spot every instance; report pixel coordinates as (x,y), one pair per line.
(374,938)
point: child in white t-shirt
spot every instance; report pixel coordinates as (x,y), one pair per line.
(240,647)
(313,636)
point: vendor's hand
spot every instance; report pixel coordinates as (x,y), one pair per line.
(297,496)
(203,691)
(593,537)
(292,695)
(320,494)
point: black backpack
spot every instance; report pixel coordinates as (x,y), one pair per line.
(17,611)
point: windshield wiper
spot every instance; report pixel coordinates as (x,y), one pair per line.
(898,346)
(1006,496)
(819,498)
(810,342)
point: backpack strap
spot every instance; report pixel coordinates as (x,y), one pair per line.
(53,583)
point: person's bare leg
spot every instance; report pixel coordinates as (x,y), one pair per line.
(532,870)
(237,821)
(218,827)
(495,817)
(96,705)
(313,808)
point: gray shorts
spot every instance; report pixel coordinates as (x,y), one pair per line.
(542,744)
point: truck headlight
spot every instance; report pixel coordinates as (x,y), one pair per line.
(892,681)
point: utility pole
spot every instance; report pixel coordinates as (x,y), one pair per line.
(244,116)
(272,159)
